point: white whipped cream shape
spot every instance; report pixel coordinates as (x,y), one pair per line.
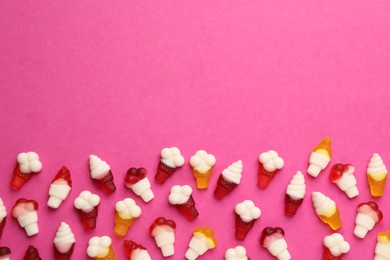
(3,210)
(323,205)
(179,194)
(277,246)
(347,183)
(164,236)
(99,246)
(86,201)
(271,161)
(296,189)
(199,245)
(64,238)
(233,173)
(376,168)
(29,162)
(140,254)
(58,192)
(336,244)
(382,249)
(143,189)
(237,253)
(247,211)
(128,209)
(98,167)
(172,157)
(202,161)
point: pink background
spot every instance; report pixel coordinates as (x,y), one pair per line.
(124,79)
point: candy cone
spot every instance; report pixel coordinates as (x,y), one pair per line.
(327,210)
(334,247)
(188,209)
(320,157)
(89,218)
(327,255)
(106,184)
(273,240)
(32,254)
(2,225)
(270,164)
(138,182)
(202,164)
(5,253)
(110,255)
(19,178)
(163,172)
(163,231)
(203,239)
(265,177)
(122,225)
(224,187)
(63,243)
(334,221)
(291,205)
(382,248)
(242,227)
(135,251)
(59,188)
(63,256)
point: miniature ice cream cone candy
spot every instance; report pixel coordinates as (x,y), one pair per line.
(171,159)
(368,215)
(342,176)
(335,247)
(202,240)
(64,242)
(228,180)
(327,210)
(273,240)
(295,193)
(320,157)
(138,182)
(163,231)
(59,188)
(32,254)
(237,253)
(377,175)
(382,249)
(135,251)
(3,217)
(246,215)
(87,205)
(101,175)
(26,212)
(181,198)
(5,253)
(202,164)
(270,165)
(127,211)
(100,248)
(28,165)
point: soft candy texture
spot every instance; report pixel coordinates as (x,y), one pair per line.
(270,165)
(181,198)
(27,165)
(342,176)
(202,240)
(368,215)
(335,245)
(246,215)
(135,251)
(127,211)
(138,182)
(3,216)
(171,159)
(59,188)
(320,157)
(237,253)
(273,240)
(202,164)
(163,231)
(100,248)
(382,249)
(87,205)
(326,210)
(377,175)
(63,242)
(228,180)
(101,175)
(25,211)
(5,253)
(32,254)
(296,191)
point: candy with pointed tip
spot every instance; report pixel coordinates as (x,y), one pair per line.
(64,242)
(59,188)
(228,180)
(273,240)
(135,251)
(202,164)
(26,212)
(382,249)
(32,254)
(100,248)
(320,157)
(163,231)
(377,175)
(171,159)
(101,175)
(27,165)
(334,247)
(342,176)
(368,214)
(127,211)
(138,182)
(3,216)
(237,253)
(87,206)
(181,198)
(246,215)
(5,253)
(270,165)
(203,239)
(327,210)
(296,191)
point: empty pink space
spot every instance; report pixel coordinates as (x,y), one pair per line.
(125,79)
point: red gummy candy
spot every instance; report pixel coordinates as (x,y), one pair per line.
(188,209)
(265,177)
(64,174)
(374,207)
(63,256)
(327,255)
(19,178)
(89,218)
(32,254)
(163,172)
(130,246)
(105,184)
(223,188)
(242,227)
(337,171)
(2,225)
(134,175)
(161,221)
(291,206)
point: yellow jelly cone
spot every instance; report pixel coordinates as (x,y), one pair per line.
(122,225)
(334,221)
(109,256)
(202,179)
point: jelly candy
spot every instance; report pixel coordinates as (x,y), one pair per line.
(228,180)
(181,198)
(5,253)
(101,175)
(171,159)
(26,212)
(32,254)
(295,193)
(335,247)
(135,251)
(273,240)
(100,248)
(320,157)
(237,253)
(368,215)
(377,175)
(163,231)
(342,176)
(246,215)
(64,242)
(28,165)
(327,210)
(127,211)
(382,249)
(87,205)
(270,165)
(202,240)
(3,216)
(59,188)
(202,164)
(138,182)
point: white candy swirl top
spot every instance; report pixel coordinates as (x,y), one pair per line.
(86,201)
(322,204)
(271,161)
(64,238)
(98,167)
(127,209)
(29,162)
(202,161)
(237,253)
(233,173)
(179,194)
(376,165)
(99,246)
(297,187)
(3,211)
(247,211)
(172,157)
(336,244)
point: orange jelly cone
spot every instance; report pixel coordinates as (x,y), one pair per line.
(333,221)
(109,256)
(63,256)
(202,179)
(106,184)
(32,254)
(163,172)
(19,178)
(188,209)
(122,225)
(265,177)
(327,255)
(223,188)
(2,225)
(242,227)
(89,218)
(291,205)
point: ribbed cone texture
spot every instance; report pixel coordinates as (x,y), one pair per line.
(19,178)
(105,184)
(291,206)
(163,172)
(188,209)
(2,225)
(265,177)
(242,227)
(223,188)
(328,256)
(63,256)
(89,219)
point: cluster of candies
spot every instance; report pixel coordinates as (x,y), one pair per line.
(203,239)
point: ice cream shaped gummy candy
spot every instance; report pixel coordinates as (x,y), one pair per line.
(334,247)
(32,254)
(273,240)
(202,240)
(377,175)
(246,215)
(228,180)
(181,198)
(5,253)
(63,242)
(138,182)
(327,210)
(26,212)
(3,216)
(27,165)
(368,214)
(382,249)
(295,193)
(320,157)
(101,175)
(100,248)
(135,251)
(59,188)
(270,165)
(163,231)
(127,211)
(202,164)
(87,206)
(171,159)
(237,253)
(342,176)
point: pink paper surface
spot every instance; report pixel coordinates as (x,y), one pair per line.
(124,79)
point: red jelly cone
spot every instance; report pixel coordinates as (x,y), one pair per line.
(163,172)
(242,227)
(291,206)
(89,219)
(327,255)
(5,253)
(265,177)
(32,254)
(130,246)
(63,256)
(106,184)
(188,209)
(223,188)
(19,178)
(2,225)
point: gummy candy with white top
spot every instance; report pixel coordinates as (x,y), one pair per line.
(320,157)
(135,251)
(87,205)
(172,157)
(342,176)
(64,241)
(203,239)
(59,188)
(181,198)
(271,161)
(382,249)
(247,211)
(237,253)
(273,240)
(368,215)
(163,231)
(138,182)
(26,212)
(29,162)
(335,245)
(100,248)
(202,161)
(377,175)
